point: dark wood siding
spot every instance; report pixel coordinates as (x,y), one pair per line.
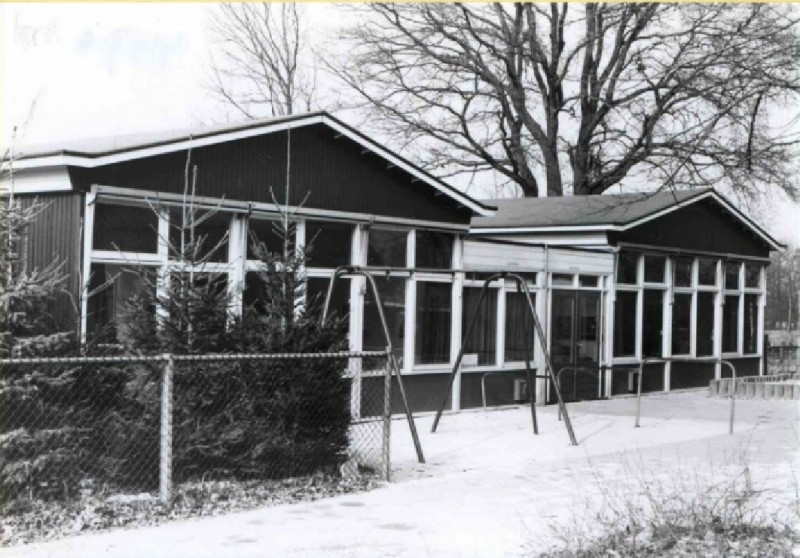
(327,172)
(703,226)
(56,234)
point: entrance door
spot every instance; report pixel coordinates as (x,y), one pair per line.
(575,342)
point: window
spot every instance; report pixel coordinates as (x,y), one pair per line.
(483,337)
(387,248)
(114,287)
(317,290)
(392,291)
(705,324)
(328,244)
(752,276)
(210,235)
(750,324)
(683,271)
(268,232)
(732,275)
(432,336)
(654,267)
(706,271)
(518,324)
(652,323)
(625,324)
(562,280)
(730,324)
(588,280)
(434,250)
(626,267)
(681,324)
(125,228)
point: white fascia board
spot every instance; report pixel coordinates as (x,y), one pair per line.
(38,181)
(91,162)
(389,156)
(134,153)
(549,229)
(722,201)
(590,228)
(145,197)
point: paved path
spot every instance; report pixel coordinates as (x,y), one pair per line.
(490,488)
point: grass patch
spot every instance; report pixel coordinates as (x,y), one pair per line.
(35,521)
(683,515)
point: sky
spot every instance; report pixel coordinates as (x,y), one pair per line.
(71,71)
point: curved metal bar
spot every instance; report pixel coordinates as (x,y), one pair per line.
(457,364)
(689,360)
(574,379)
(548,363)
(351,270)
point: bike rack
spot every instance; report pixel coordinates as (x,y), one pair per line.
(575,370)
(689,360)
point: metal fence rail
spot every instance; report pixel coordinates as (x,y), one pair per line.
(125,424)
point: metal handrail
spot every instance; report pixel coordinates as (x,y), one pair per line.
(689,360)
(574,380)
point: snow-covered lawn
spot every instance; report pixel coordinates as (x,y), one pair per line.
(490,487)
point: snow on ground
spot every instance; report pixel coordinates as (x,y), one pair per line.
(489,487)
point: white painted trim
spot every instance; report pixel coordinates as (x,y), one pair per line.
(588,228)
(171,146)
(37,182)
(142,197)
(415,172)
(86,268)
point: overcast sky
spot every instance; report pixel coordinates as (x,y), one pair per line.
(86,70)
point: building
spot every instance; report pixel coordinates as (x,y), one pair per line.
(615,278)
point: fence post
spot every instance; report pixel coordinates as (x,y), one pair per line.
(165,465)
(386,447)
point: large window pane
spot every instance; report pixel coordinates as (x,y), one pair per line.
(434,250)
(484,333)
(125,228)
(652,323)
(706,271)
(210,235)
(392,291)
(752,276)
(432,336)
(328,244)
(750,323)
(654,267)
(518,324)
(683,272)
(730,324)
(387,248)
(625,324)
(113,287)
(626,267)
(681,324)
(705,324)
(317,290)
(732,275)
(268,232)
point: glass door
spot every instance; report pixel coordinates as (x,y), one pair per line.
(575,344)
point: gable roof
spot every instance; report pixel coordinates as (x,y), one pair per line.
(97,152)
(618,212)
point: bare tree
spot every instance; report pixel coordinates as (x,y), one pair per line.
(586,97)
(257,67)
(783,289)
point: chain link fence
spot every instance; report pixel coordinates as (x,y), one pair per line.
(133,425)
